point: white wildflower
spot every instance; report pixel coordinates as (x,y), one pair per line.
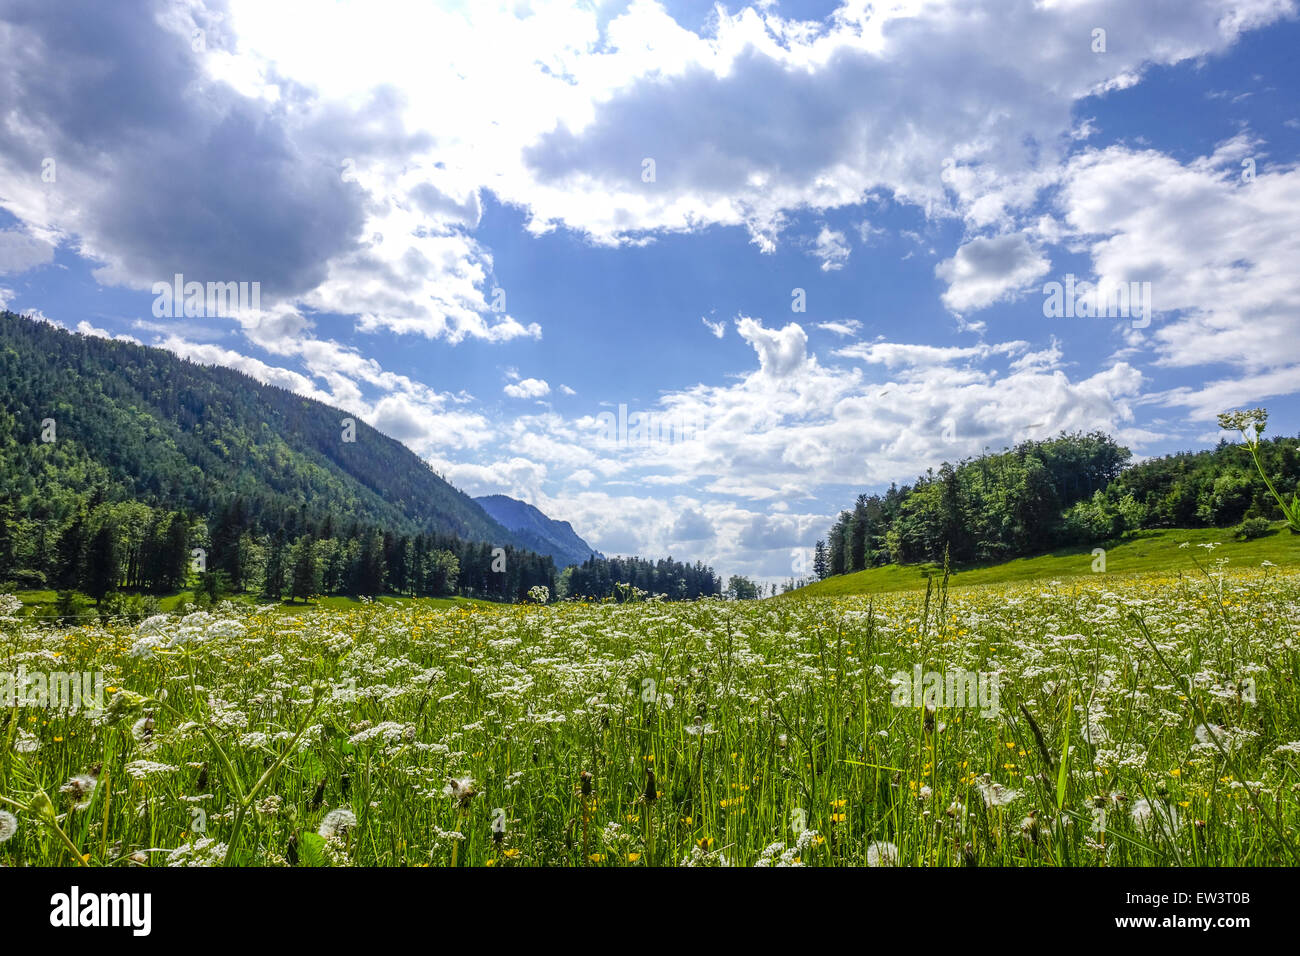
(144,769)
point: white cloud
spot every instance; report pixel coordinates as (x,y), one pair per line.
(763,444)
(843,327)
(85,328)
(208,354)
(396,405)
(832,248)
(692,525)
(1220,252)
(528,388)
(20,251)
(535,103)
(718,329)
(919,99)
(984,271)
(780,352)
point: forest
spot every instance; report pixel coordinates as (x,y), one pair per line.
(109,549)
(1075,489)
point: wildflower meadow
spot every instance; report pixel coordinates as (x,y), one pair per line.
(1140,720)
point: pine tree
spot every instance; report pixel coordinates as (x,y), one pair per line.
(175,555)
(838,545)
(273,584)
(306,572)
(71,554)
(103,566)
(857,533)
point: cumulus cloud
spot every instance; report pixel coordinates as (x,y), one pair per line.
(984,271)
(921,100)
(85,328)
(141,150)
(340,376)
(118,130)
(781,352)
(1219,251)
(528,388)
(691,525)
(744,470)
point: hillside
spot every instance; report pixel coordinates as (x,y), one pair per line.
(133,423)
(537,532)
(1146,551)
(1070,492)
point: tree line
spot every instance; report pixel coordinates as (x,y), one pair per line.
(131,547)
(1075,489)
(625,578)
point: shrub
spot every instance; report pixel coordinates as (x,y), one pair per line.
(1252,528)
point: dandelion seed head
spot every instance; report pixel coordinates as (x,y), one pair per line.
(880,853)
(337,823)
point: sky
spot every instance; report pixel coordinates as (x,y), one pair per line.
(803,249)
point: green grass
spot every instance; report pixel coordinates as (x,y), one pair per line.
(1137,720)
(342,603)
(42,603)
(1148,552)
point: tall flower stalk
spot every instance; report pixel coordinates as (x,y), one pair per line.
(1251,424)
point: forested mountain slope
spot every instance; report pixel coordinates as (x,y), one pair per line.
(132,423)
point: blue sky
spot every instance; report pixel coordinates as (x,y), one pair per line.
(448,212)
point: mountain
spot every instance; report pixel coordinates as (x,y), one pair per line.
(86,419)
(537,532)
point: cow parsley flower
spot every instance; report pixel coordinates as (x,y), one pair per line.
(144,769)
(202,852)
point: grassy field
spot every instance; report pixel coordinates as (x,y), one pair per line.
(1123,720)
(37,604)
(1147,552)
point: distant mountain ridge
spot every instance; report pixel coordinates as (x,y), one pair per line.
(536,531)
